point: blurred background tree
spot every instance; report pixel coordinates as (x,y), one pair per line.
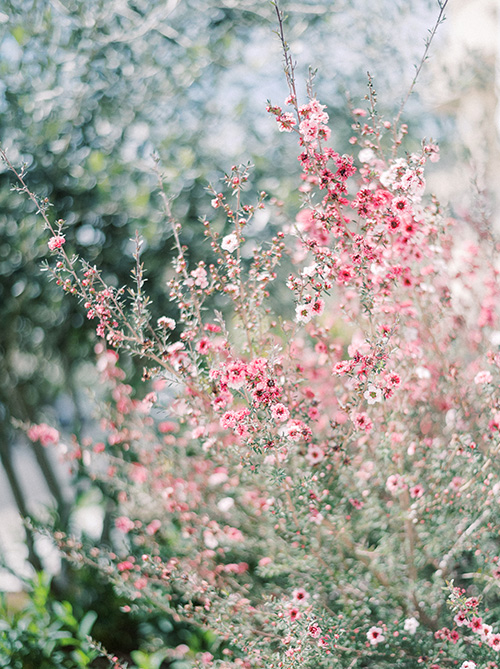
(88,90)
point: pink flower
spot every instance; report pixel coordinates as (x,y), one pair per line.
(228,420)
(126,565)
(483,377)
(235,374)
(200,277)
(476,625)
(153,527)
(314,454)
(56,242)
(394,483)
(318,306)
(300,595)
(362,421)
(124,524)
(461,619)
(280,413)
(139,473)
(286,122)
(375,635)
(44,434)
(314,631)
(296,430)
(417,491)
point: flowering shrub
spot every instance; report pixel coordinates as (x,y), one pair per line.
(317,490)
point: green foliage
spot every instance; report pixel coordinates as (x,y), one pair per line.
(148,660)
(44,634)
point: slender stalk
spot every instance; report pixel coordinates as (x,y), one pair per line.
(441,17)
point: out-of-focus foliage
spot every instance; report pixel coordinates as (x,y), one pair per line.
(44,634)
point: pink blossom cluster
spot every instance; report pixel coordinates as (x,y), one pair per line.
(306,481)
(43,433)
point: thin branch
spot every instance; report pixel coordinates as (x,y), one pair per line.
(441,17)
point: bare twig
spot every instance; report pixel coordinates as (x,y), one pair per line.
(441,17)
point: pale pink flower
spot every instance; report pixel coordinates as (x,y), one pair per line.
(300,595)
(394,483)
(296,430)
(316,517)
(486,631)
(235,374)
(139,473)
(416,491)
(375,635)
(124,524)
(200,277)
(210,539)
(230,242)
(483,377)
(460,619)
(314,454)
(166,323)
(303,313)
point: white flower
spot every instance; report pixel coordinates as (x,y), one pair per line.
(303,313)
(373,394)
(230,242)
(225,504)
(468,664)
(366,155)
(310,270)
(210,539)
(410,625)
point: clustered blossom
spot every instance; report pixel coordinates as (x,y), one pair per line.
(317,477)
(43,433)
(56,242)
